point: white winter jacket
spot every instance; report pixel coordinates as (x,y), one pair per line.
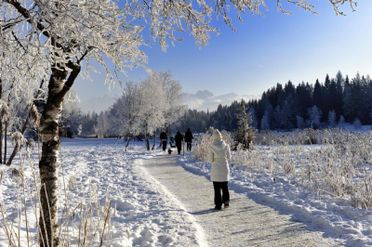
(219,156)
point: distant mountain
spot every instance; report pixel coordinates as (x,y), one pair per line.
(206,100)
(97,104)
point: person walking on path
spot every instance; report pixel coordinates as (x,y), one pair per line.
(188,139)
(163,140)
(179,139)
(219,156)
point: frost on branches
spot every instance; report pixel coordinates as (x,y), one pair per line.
(146,106)
(51,39)
(59,35)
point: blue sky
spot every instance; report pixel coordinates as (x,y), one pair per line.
(264,50)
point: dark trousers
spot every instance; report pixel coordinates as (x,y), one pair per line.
(189,146)
(164,145)
(179,148)
(218,188)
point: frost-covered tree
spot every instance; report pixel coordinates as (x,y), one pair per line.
(332,119)
(160,103)
(252,115)
(244,134)
(173,109)
(71,118)
(314,116)
(265,121)
(146,106)
(124,114)
(17,95)
(102,127)
(62,34)
(152,106)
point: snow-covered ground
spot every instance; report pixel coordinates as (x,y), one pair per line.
(98,178)
(95,172)
(334,216)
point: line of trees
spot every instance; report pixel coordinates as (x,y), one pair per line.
(324,104)
(142,109)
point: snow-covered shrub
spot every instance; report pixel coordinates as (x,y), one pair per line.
(204,141)
(362,196)
(288,168)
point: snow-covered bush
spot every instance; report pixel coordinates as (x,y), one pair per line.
(83,220)
(361,197)
(204,141)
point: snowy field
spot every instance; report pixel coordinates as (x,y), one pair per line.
(107,196)
(99,179)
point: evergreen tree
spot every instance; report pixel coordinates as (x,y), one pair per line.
(318,94)
(303,99)
(332,118)
(340,83)
(315,115)
(244,134)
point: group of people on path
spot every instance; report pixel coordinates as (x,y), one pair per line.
(179,139)
(218,155)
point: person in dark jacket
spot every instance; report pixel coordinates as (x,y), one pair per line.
(179,139)
(163,140)
(188,139)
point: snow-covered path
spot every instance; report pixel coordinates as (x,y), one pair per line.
(245,223)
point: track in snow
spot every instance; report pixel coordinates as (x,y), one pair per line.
(245,223)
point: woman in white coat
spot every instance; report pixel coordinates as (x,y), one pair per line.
(219,156)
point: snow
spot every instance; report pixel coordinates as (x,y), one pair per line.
(95,171)
(147,209)
(334,216)
(244,223)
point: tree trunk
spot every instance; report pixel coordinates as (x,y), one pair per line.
(147,142)
(1,124)
(48,165)
(5,140)
(1,139)
(153,144)
(127,144)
